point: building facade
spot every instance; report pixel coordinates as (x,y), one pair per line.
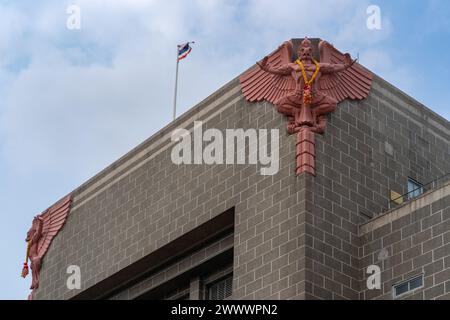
(146,228)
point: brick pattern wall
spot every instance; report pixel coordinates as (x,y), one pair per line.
(177,268)
(295,237)
(417,243)
(368,149)
(154,201)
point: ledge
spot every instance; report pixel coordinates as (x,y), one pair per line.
(417,203)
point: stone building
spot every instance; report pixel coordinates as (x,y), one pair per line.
(146,228)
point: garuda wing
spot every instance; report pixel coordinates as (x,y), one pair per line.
(258,84)
(53,220)
(353,83)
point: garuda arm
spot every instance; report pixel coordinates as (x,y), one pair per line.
(337,67)
(282,70)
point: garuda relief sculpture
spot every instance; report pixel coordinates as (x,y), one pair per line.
(43,229)
(306,90)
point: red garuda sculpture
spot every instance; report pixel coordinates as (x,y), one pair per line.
(43,229)
(306,90)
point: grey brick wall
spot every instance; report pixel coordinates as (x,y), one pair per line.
(294,237)
(143,201)
(176,269)
(417,242)
(355,173)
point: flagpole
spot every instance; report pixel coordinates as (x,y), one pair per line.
(175,93)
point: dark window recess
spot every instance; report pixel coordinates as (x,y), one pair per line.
(415,188)
(221,289)
(183,297)
(410,285)
(178,294)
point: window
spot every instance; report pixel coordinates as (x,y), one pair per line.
(220,289)
(408,286)
(415,188)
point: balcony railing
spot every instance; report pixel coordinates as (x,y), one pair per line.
(414,193)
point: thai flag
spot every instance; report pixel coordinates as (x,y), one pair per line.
(183,50)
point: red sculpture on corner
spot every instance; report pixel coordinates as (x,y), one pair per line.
(43,229)
(306,90)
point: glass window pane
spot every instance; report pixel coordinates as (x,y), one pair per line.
(402,288)
(415,283)
(408,286)
(221,289)
(414,188)
(410,186)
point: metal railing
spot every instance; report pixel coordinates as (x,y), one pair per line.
(423,188)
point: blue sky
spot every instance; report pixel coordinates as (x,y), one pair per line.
(73,101)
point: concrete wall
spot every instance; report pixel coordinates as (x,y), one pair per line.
(294,237)
(368,149)
(416,238)
(143,201)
